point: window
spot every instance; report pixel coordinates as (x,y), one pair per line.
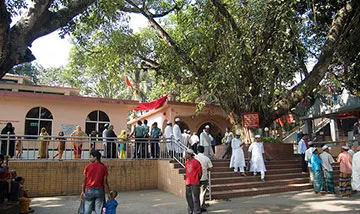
(37,118)
(96,120)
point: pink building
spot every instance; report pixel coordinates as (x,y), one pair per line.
(30,107)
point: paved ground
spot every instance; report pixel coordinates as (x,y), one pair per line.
(157,202)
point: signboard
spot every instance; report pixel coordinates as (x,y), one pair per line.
(250,120)
(68,128)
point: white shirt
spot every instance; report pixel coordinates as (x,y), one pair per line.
(326,161)
(177,133)
(104,135)
(302,147)
(205,139)
(205,165)
(194,139)
(308,154)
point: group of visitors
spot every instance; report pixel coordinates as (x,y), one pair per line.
(318,162)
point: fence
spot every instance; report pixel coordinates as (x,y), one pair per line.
(31,147)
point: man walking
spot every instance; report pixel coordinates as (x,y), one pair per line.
(257,159)
(237,158)
(95,184)
(302,149)
(228,138)
(326,162)
(205,141)
(193,171)
(206,166)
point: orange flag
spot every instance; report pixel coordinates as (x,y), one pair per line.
(128,83)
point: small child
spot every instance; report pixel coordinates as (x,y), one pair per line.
(110,205)
(19,148)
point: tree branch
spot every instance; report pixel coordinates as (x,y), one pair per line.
(169,41)
(295,95)
(222,9)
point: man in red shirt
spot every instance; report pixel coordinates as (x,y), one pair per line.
(95,184)
(193,174)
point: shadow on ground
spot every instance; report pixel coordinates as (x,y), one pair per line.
(157,202)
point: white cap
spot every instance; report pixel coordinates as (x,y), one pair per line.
(168,122)
(189,151)
(177,119)
(185,130)
(345,147)
(313,149)
(188,131)
(310,143)
(238,133)
(257,136)
(325,147)
(207,127)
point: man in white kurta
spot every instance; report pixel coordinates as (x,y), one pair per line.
(205,141)
(355,182)
(237,158)
(194,140)
(257,161)
(168,135)
(178,137)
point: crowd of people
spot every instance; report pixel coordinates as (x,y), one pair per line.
(318,163)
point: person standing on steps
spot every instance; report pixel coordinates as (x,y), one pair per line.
(228,139)
(302,149)
(257,160)
(205,141)
(206,166)
(237,158)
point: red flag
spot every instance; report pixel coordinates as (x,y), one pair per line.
(280,122)
(128,83)
(152,105)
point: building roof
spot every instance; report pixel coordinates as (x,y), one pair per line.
(344,103)
(67,98)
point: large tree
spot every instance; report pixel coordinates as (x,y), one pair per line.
(246,54)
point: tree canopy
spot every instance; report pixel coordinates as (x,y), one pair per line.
(247,55)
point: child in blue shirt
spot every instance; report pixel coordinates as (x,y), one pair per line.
(110,205)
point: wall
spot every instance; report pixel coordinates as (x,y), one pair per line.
(65,110)
(169,179)
(50,178)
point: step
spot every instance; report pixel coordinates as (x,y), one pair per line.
(260,191)
(257,184)
(241,179)
(268,172)
(276,163)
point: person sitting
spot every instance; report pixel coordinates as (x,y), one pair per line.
(24,197)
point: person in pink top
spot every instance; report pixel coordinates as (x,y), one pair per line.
(345,160)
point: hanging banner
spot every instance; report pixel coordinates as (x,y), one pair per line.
(151,105)
(250,120)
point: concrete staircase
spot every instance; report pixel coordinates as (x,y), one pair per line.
(281,176)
